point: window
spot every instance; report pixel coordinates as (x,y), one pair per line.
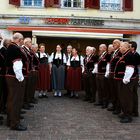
(72,3)
(32,3)
(111,5)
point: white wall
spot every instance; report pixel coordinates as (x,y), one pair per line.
(5,33)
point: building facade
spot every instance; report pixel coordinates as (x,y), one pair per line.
(76,22)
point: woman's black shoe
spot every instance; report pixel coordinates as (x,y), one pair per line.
(44,96)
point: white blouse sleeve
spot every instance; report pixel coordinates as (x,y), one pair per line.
(82,61)
(51,58)
(64,59)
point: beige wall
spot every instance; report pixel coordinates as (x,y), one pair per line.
(5,8)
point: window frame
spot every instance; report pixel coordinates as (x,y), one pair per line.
(24,6)
(82,6)
(111,10)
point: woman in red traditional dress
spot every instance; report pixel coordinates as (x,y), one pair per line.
(44,72)
(74,73)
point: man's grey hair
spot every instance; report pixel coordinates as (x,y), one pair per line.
(35,45)
(91,48)
(69,46)
(27,40)
(17,36)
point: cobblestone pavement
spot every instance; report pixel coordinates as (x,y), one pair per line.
(71,119)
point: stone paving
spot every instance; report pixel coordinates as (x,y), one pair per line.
(71,119)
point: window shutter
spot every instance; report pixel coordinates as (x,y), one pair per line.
(14,2)
(128,5)
(51,3)
(92,4)
(47,3)
(95,4)
(87,3)
(56,3)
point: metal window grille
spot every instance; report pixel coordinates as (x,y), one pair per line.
(73,3)
(32,3)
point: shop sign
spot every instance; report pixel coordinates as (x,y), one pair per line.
(72,21)
(24,20)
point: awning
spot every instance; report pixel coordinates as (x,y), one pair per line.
(75,32)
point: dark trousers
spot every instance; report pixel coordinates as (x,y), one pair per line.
(126,97)
(28,88)
(102,93)
(108,90)
(31,84)
(135,101)
(114,92)
(34,81)
(89,80)
(3,93)
(14,101)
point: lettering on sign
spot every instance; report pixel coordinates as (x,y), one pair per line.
(69,21)
(24,20)
(57,21)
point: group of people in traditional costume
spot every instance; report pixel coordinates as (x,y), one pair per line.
(109,77)
(19,67)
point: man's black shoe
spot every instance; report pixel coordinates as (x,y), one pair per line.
(110,108)
(34,101)
(91,101)
(22,112)
(76,97)
(98,104)
(116,112)
(26,107)
(86,99)
(30,105)
(4,111)
(121,115)
(104,106)
(126,120)
(1,118)
(21,117)
(20,127)
(1,122)
(71,96)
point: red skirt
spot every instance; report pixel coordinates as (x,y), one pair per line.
(44,77)
(74,76)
